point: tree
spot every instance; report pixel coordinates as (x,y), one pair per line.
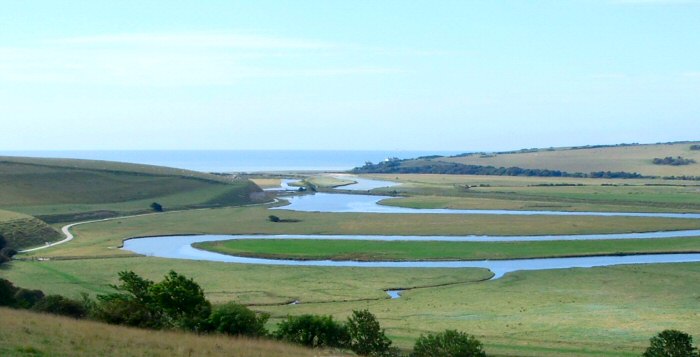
(450,343)
(366,336)
(7,293)
(3,246)
(26,298)
(182,301)
(174,302)
(671,343)
(273,218)
(313,331)
(157,207)
(236,319)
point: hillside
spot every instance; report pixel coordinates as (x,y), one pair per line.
(627,161)
(627,158)
(57,190)
(24,333)
(22,231)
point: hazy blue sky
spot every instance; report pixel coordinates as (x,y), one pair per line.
(422,75)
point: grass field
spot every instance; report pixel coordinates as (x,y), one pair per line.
(24,333)
(257,285)
(67,190)
(610,311)
(538,193)
(627,158)
(364,250)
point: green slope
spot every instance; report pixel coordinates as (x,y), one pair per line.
(22,231)
(59,190)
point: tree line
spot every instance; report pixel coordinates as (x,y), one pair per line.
(409,166)
(673,161)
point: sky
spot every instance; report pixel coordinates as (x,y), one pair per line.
(347,75)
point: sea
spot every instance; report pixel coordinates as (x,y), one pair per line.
(239,160)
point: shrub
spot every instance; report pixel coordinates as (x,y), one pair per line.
(7,293)
(120,310)
(313,331)
(366,336)
(174,302)
(59,305)
(182,301)
(273,218)
(157,207)
(26,298)
(236,319)
(449,343)
(671,343)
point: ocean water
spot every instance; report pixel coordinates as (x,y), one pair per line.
(237,160)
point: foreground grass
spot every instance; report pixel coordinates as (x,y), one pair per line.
(24,333)
(365,250)
(610,311)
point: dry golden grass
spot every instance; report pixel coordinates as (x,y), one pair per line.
(626,158)
(24,333)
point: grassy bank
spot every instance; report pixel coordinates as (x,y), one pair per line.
(21,230)
(24,333)
(364,250)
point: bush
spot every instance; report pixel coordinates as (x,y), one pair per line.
(366,336)
(313,331)
(174,302)
(7,293)
(120,310)
(157,207)
(182,301)
(236,319)
(3,247)
(273,218)
(671,343)
(26,299)
(59,305)
(449,343)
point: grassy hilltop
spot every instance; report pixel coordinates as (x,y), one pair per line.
(60,190)
(629,161)
(627,158)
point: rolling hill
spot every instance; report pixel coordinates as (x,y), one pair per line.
(670,160)
(60,190)
(627,158)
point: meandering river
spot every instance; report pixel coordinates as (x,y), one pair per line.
(180,247)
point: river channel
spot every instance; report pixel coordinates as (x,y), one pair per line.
(180,247)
